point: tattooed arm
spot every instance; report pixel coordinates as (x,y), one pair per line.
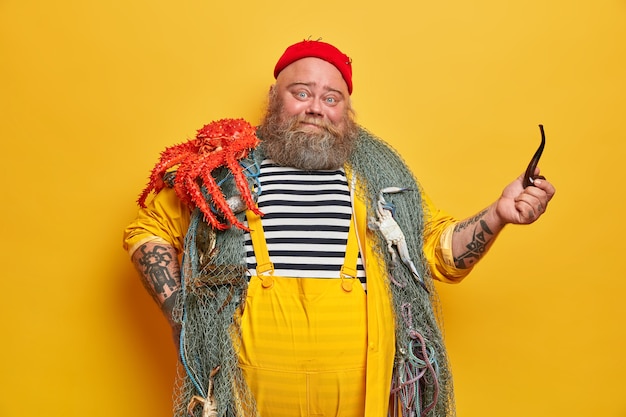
(473,237)
(158,267)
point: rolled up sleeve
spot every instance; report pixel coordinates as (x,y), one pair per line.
(164,219)
(438,244)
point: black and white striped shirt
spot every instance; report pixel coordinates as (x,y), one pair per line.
(306,221)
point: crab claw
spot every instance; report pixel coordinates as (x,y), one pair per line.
(406,259)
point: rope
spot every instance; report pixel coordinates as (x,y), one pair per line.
(417,362)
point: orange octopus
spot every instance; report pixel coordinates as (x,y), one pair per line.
(220,143)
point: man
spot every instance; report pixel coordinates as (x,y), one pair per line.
(269,319)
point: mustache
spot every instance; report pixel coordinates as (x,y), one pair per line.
(295,121)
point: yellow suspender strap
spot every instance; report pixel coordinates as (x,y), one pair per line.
(348,270)
(264,267)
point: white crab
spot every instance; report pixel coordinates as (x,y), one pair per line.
(389,228)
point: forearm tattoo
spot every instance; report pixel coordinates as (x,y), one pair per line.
(161,277)
(477,247)
(469,222)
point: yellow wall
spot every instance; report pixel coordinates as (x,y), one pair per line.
(92,91)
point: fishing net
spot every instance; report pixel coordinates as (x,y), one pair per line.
(422,382)
(214,287)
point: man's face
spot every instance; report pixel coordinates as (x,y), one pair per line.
(309,124)
(315,91)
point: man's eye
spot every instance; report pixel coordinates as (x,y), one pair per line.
(302,94)
(331,100)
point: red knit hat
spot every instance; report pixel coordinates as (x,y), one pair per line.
(317,49)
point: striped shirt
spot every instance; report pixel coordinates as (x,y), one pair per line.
(306,221)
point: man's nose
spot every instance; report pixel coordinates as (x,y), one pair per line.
(314,109)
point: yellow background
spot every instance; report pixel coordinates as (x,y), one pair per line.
(92,91)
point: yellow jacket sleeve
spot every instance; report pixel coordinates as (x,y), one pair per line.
(438,243)
(165,218)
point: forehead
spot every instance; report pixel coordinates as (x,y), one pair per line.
(315,72)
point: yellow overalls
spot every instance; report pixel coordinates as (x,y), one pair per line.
(304,340)
(350,336)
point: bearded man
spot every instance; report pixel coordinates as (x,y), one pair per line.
(324,305)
